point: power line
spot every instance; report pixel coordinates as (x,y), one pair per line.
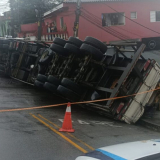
(117,27)
(105,29)
(108,29)
(99,21)
(99,26)
(132,20)
(95,21)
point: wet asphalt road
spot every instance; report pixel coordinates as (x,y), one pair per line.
(22,136)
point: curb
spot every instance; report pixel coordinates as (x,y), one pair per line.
(149,125)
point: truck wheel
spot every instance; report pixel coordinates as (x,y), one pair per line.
(40,51)
(1,41)
(71,85)
(42,78)
(75,41)
(50,87)
(96,43)
(38,84)
(67,93)
(59,50)
(96,53)
(59,41)
(6,41)
(14,59)
(72,48)
(54,80)
(5,46)
(46,57)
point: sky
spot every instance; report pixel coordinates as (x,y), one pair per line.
(4,6)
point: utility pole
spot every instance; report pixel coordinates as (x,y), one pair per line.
(76,23)
(39,17)
(39,26)
(12,18)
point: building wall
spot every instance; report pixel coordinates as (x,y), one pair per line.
(130,29)
(29,27)
(67,18)
(4,28)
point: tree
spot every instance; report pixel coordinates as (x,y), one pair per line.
(24,10)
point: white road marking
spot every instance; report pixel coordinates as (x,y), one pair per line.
(101,122)
(61,120)
(82,122)
(110,124)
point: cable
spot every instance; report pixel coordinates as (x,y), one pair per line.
(132,20)
(129,32)
(99,21)
(85,17)
(82,102)
(114,26)
(111,31)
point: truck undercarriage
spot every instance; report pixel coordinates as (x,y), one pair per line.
(85,71)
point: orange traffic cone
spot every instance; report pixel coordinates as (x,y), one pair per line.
(67,123)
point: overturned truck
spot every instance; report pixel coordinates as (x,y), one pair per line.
(86,70)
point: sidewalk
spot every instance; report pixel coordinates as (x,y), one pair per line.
(151,123)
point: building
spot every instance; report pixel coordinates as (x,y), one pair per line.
(28,30)
(107,20)
(5,28)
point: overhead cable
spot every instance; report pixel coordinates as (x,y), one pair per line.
(99,24)
(132,20)
(118,27)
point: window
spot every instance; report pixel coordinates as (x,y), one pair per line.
(113,19)
(155,16)
(133,15)
(61,22)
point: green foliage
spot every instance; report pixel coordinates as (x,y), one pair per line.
(24,10)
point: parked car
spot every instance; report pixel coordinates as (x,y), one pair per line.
(141,150)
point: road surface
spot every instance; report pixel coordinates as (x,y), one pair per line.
(33,134)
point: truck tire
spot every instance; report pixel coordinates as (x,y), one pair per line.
(38,84)
(14,59)
(96,43)
(72,48)
(77,42)
(40,51)
(5,46)
(67,93)
(50,87)
(59,50)
(59,41)
(54,80)
(42,78)
(6,41)
(46,56)
(71,85)
(1,41)
(96,53)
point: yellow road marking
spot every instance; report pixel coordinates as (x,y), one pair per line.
(91,148)
(83,102)
(60,134)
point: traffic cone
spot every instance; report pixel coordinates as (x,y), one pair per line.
(67,122)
